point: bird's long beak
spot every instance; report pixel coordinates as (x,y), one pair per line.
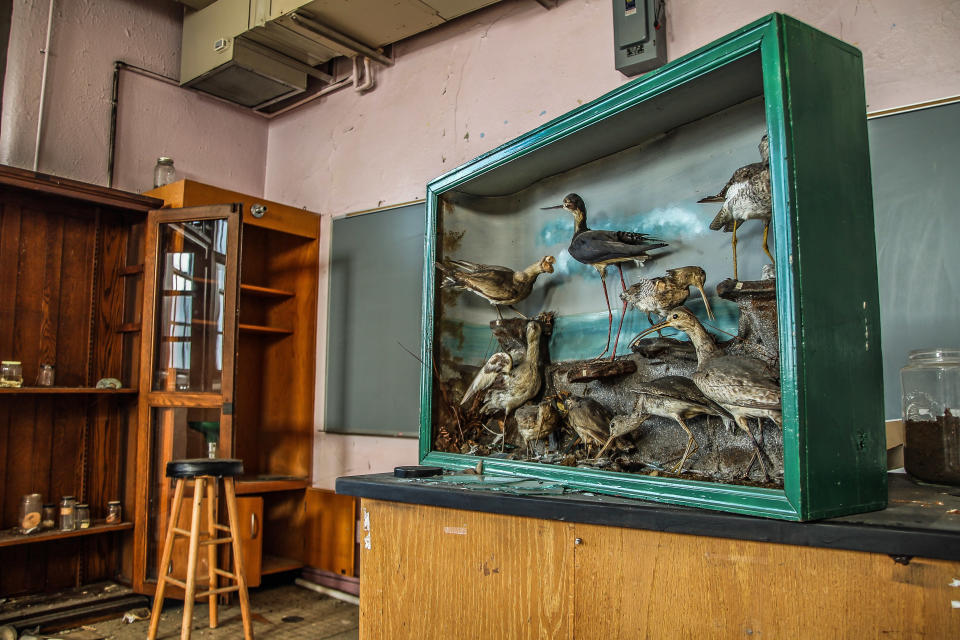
(556,206)
(706,303)
(649,330)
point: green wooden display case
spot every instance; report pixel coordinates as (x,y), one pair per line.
(808,88)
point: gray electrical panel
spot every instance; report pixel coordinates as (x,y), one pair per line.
(639,35)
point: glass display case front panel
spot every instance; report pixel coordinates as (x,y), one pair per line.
(191,263)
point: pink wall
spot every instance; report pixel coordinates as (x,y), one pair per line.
(208,140)
(463,89)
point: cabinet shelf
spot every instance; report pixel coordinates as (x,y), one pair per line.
(65,391)
(12,539)
(255,328)
(265,292)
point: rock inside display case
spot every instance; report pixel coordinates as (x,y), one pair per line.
(670,293)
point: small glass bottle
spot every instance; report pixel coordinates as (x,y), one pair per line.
(48,520)
(11,373)
(68,513)
(83,516)
(114,512)
(931,415)
(163,172)
(45,375)
(30,506)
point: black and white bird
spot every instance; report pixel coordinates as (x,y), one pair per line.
(601,248)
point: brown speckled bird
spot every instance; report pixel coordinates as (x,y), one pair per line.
(500,286)
(746,196)
(537,421)
(587,417)
(746,387)
(675,397)
(659,295)
(505,385)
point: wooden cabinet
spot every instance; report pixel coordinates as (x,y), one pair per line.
(70,286)
(261,355)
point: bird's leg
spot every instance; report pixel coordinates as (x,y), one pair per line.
(503,433)
(603,281)
(766,228)
(514,309)
(499,314)
(692,445)
(623,313)
(757,455)
(604,448)
(734,243)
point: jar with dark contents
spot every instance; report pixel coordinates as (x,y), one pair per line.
(114,512)
(931,415)
(48,520)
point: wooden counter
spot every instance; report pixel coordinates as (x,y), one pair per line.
(443,561)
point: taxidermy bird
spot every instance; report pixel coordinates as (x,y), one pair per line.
(588,418)
(745,387)
(600,248)
(659,295)
(675,397)
(746,196)
(537,421)
(504,385)
(497,285)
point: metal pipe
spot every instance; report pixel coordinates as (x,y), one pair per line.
(43,87)
(342,40)
(336,86)
(368,80)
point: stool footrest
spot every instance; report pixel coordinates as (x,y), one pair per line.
(181,532)
(216,541)
(225,574)
(221,527)
(210,592)
(175,582)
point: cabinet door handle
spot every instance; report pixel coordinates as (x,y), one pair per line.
(254,529)
(258,210)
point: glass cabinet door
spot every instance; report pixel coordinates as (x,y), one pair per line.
(187,360)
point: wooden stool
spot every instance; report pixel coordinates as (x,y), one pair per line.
(203,472)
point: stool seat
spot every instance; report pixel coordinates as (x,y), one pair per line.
(194,467)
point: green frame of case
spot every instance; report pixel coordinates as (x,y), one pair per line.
(827,300)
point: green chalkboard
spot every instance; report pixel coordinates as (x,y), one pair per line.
(376,282)
(916,191)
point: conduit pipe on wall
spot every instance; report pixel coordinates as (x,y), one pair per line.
(368,81)
(43,87)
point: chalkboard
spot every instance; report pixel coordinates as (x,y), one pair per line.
(916,195)
(376,281)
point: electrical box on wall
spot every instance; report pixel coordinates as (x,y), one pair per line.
(639,35)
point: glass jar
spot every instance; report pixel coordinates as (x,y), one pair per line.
(83,516)
(45,375)
(48,520)
(163,172)
(30,506)
(114,512)
(930,383)
(68,513)
(11,373)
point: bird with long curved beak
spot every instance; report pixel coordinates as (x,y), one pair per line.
(601,248)
(500,286)
(746,196)
(745,387)
(659,295)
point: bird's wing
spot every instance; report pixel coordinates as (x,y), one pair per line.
(473,267)
(739,381)
(498,364)
(679,387)
(597,246)
(497,286)
(723,220)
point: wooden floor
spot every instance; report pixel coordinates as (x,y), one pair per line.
(285,612)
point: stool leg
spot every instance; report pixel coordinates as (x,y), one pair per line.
(164,567)
(212,549)
(238,558)
(192,559)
